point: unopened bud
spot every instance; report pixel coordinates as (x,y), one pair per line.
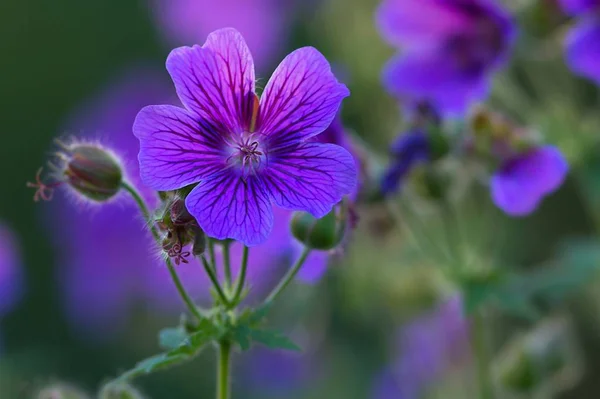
(544,359)
(92,171)
(61,391)
(323,234)
(119,391)
(200,241)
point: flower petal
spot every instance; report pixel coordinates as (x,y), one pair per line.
(583,48)
(301,99)
(521,183)
(430,77)
(312,177)
(575,7)
(230,206)
(420,24)
(216,81)
(175,148)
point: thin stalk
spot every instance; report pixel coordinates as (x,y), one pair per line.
(227,265)
(215,281)
(224,370)
(176,280)
(482,356)
(211,254)
(289,276)
(241,281)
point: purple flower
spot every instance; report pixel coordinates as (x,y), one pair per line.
(245,154)
(263,23)
(449,49)
(525,179)
(583,47)
(427,347)
(10,272)
(407,151)
(109,263)
(577,7)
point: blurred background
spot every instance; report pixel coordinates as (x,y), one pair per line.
(83,296)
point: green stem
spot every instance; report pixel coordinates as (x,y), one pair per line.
(224,370)
(211,254)
(482,356)
(180,288)
(215,281)
(227,265)
(287,279)
(241,281)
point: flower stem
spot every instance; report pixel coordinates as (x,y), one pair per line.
(180,288)
(227,265)
(224,370)
(480,349)
(241,280)
(287,279)
(215,281)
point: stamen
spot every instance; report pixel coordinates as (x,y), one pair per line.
(43,191)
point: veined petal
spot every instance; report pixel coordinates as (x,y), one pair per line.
(216,81)
(429,77)
(312,177)
(301,99)
(175,148)
(231,206)
(583,48)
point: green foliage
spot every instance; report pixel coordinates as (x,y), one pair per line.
(519,294)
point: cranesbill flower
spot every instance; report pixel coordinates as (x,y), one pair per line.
(449,49)
(407,151)
(427,347)
(523,180)
(583,40)
(10,272)
(245,154)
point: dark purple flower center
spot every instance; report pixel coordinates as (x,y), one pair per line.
(479,47)
(246,153)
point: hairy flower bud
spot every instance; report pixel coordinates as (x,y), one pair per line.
(61,391)
(92,171)
(119,391)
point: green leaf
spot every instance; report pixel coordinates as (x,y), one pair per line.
(258,315)
(241,335)
(172,337)
(187,349)
(273,340)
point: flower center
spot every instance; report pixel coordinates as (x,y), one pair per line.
(246,153)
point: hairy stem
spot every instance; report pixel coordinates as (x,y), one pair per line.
(482,355)
(176,280)
(215,281)
(227,266)
(290,275)
(241,280)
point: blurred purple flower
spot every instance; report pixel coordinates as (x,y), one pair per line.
(427,347)
(449,49)
(583,47)
(263,23)
(10,271)
(525,179)
(245,154)
(407,151)
(577,7)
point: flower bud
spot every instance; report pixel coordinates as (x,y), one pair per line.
(544,358)
(119,391)
(92,171)
(322,234)
(200,241)
(61,391)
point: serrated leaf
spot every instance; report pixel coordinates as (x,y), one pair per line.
(172,337)
(259,314)
(273,340)
(155,363)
